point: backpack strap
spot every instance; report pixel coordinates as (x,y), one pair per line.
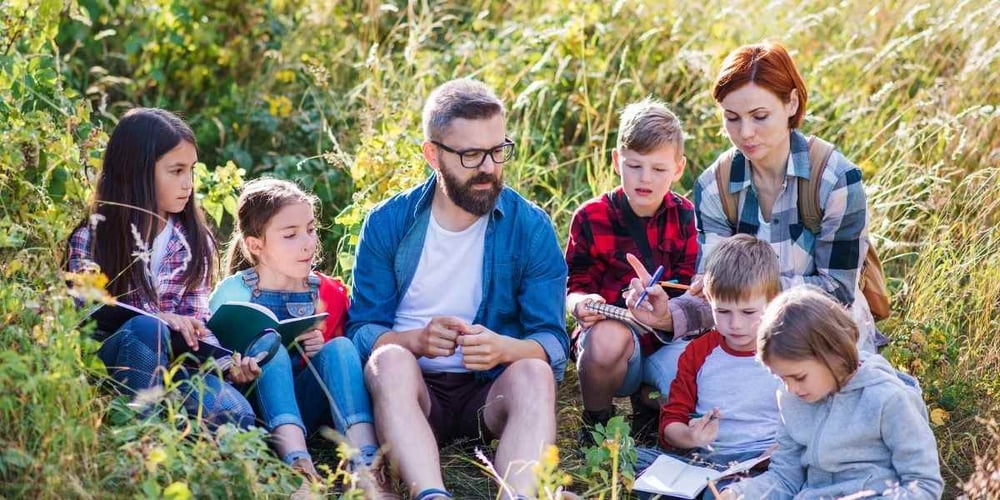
(730,201)
(810,213)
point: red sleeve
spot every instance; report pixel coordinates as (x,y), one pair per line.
(333,298)
(687,252)
(684,389)
(584,271)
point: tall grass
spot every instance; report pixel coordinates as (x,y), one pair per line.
(329,93)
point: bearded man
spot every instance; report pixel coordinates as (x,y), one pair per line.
(457,304)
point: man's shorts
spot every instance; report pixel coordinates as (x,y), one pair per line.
(457,404)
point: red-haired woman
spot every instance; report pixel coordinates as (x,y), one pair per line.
(763,100)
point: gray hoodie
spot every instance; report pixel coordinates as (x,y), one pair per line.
(871,436)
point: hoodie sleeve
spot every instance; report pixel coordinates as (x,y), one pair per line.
(784,477)
(912,446)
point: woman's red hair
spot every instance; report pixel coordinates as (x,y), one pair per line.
(767,65)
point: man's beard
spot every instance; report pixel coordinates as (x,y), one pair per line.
(474,201)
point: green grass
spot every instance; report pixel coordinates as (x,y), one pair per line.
(330,94)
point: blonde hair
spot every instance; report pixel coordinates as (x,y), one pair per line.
(740,268)
(647,125)
(803,324)
(260,200)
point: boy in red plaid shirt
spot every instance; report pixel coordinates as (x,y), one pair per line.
(644,218)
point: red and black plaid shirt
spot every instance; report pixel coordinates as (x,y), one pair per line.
(599,238)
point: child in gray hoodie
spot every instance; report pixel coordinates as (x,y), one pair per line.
(851,424)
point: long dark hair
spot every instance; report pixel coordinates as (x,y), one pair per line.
(260,200)
(126,199)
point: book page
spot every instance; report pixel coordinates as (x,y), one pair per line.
(744,466)
(669,476)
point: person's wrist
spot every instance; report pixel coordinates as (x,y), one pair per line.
(508,348)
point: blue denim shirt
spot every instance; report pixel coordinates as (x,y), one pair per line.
(524,274)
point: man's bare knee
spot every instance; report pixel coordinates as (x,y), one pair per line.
(530,382)
(391,366)
(607,345)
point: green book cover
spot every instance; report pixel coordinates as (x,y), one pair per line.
(236,324)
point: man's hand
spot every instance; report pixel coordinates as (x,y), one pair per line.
(585,317)
(311,342)
(244,369)
(438,337)
(655,310)
(190,328)
(483,348)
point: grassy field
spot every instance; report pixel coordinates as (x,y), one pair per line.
(329,93)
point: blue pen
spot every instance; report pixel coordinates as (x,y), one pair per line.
(653,281)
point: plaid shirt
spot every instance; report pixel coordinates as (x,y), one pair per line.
(830,259)
(173,298)
(599,239)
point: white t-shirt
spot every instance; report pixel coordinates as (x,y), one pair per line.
(160,249)
(448,282)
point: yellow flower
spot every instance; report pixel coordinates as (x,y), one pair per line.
(285,76)
(939,416)
(279,106)
(177,491)
(156,457)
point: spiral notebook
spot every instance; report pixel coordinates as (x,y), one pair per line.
(620,314)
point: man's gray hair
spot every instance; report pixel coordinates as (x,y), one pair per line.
(460,98)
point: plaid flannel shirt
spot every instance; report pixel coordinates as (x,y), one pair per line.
(830,259)
(173,298)
(599,239)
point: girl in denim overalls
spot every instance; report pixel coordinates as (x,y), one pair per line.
(321,380)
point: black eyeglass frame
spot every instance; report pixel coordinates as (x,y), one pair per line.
(506,145)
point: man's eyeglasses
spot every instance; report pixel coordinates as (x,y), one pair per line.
(474,157)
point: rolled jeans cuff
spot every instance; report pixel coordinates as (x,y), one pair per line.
(284,419)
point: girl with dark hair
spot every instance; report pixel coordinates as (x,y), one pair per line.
(271,257)
(146,233)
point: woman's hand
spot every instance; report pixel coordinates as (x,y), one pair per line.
(244,369)
(697,287)
(311,342)
(190,328)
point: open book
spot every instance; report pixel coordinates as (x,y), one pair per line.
(110,317)
(236,324)
(670,476)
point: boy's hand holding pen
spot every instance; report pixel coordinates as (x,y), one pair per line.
(646,298)
(705,428)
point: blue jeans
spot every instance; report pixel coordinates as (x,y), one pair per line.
(137,356)
(335,393)
(660,368)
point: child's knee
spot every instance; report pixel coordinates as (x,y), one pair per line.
(147,330)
